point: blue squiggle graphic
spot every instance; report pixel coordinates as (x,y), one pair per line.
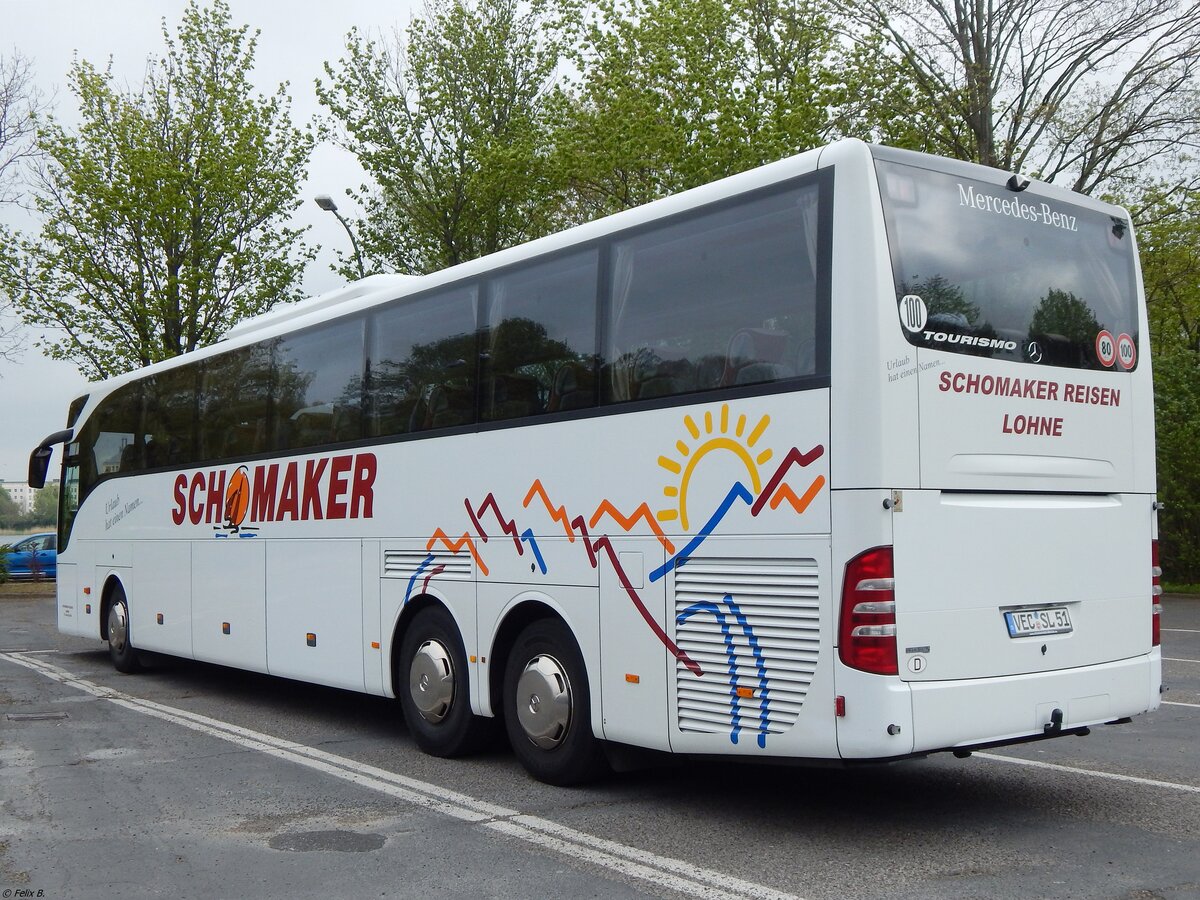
(415,575)
(735,714)
(527,536)
(737,492)
(760,664)
(730,652)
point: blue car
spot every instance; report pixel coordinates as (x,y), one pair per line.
(34,557)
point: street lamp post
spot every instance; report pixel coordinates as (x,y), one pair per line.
(326,203)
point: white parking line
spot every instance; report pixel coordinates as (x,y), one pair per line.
(1178,659)
(1183,630)
(1178,703)
(1074,770)
(672,874)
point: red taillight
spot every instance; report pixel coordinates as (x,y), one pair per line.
(867,631)
(1155,596)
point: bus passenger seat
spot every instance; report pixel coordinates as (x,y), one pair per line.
(449,405)
(514,396)
(756,355)
(664,378)
(573,388)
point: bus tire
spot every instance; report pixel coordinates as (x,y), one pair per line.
(434,687)
(120,646)
(547,707)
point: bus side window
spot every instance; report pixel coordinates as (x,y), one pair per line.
(541,321)
(422,357)
(235,400)
(318,385)
(171,417)
(724,298)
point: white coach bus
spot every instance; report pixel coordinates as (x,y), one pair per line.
(847,457)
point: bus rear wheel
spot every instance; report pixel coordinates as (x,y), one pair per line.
(547,707)
(433,687)
(120,647)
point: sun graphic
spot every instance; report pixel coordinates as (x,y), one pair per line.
(715,436)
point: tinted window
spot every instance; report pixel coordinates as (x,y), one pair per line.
(112,440)
(318,386)
(235,403)
(118,435)
(541,339)
(723,299)
(171,417)
(422,364)
(983,270)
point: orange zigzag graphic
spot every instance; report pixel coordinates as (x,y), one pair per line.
(455,546)
(799,504)
(559,514)
(627,522)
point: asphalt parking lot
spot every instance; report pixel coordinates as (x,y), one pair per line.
(191,780)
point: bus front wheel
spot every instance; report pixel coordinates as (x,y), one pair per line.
(120,647)
(547,706)
(434,688)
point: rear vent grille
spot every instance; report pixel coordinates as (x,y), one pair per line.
(414,563)
(754,627)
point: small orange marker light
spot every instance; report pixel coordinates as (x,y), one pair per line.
(474,659)
(311,638)
(745,693)
(224,628)
(87,591)
(160,618)
(374,645)
(633,679)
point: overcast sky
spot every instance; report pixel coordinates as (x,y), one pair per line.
(295,40)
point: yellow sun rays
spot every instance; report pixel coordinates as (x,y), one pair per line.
(715,435)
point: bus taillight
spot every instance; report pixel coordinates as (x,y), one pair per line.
(1155,596)
(867,632)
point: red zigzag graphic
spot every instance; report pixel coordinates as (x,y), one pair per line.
(509,525)
(794,457)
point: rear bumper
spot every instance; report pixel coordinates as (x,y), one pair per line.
(948,714)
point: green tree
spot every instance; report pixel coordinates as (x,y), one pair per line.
(449,120)
(1177,427)
(1061,313)
(1169,245)
(20,106)
(45,506)
(672,94)
(1082,92)
(9,511)
(164,212)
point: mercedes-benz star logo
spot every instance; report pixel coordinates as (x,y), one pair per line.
(1033,352)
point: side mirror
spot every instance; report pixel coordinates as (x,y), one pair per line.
(39,459)
(39,464)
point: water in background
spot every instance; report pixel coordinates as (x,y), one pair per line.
(10,538)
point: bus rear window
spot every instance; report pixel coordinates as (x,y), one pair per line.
(983,270)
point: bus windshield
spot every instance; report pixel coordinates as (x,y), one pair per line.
(986,271)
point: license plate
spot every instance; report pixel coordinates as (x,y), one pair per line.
(1047,620)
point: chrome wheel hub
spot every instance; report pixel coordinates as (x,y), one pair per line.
(544,704)
(118,627)
(431,681)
